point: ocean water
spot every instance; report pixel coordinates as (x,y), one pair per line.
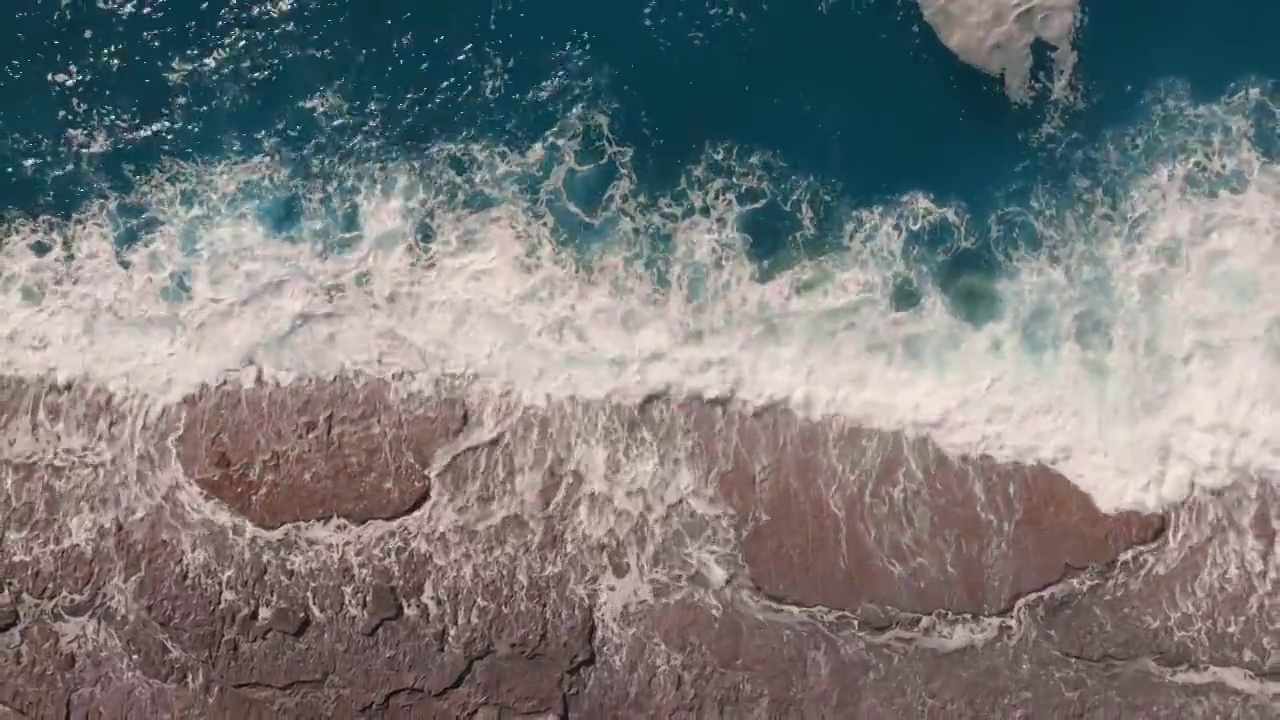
(816,203)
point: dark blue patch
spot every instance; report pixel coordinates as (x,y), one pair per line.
(860,96)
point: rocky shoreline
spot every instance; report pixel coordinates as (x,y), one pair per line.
(345,548)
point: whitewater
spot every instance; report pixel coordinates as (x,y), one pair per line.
(1130,337)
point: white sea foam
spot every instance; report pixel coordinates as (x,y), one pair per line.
(1137,350)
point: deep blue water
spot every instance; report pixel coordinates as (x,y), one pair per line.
(860,95)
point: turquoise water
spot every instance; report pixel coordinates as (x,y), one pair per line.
(848,105)
(860,94)
(819,204)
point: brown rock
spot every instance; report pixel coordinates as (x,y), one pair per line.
(545,588)
(344,449)
(383,605)
(1209,595)
(841,517)
(38,406)
(288,621)
(692,659)
(8,616)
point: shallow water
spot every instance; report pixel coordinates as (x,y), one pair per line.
(816,204)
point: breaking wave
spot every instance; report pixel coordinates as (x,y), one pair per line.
(1123,326)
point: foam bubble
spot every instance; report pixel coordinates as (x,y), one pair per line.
(1133,348)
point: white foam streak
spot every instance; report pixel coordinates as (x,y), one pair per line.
(1138,354)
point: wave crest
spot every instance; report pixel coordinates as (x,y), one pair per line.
(1127,336)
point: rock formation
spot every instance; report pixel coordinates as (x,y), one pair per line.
(997,36)
(352,548)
